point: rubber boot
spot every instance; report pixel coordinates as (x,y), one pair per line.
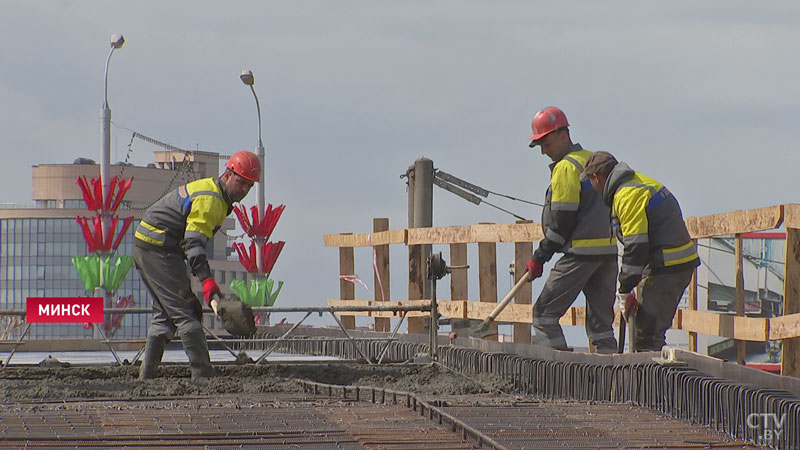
(196,348)
(153,351)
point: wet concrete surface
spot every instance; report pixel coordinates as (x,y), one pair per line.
(60,383)
(265,406)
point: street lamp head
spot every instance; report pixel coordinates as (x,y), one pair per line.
(247,77)
(117,40)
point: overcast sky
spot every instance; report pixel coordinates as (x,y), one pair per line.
(700,95)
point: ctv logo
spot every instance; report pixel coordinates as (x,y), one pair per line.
(64,310)
(768,427)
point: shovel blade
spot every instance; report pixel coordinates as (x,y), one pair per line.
(237,317)
(483,330)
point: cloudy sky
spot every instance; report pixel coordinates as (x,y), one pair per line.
(700,95)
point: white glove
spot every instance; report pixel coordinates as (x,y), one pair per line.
(621,300)
(627,298)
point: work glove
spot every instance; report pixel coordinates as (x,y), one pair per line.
(627,304)
(534,269)
(210,289)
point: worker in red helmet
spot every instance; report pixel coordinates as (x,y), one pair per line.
(575,223)
(173,232)
(658,250)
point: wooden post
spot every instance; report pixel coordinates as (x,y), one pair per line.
(382,275)
(790,360)
(487,276)
(458,277)
(522,254)
(347,290)
(741,350)
(459,288)
(693,306)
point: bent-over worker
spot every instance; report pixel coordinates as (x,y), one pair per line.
(173,232)
(658,250)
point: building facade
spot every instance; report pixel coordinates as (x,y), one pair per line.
(37,243)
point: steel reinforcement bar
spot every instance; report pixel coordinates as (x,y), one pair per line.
(409,399)
(764,416)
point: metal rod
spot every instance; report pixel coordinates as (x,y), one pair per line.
(434,323)
(358,349)
(391,338)
(99,329)
(220,340)
(264,356)
(14,349)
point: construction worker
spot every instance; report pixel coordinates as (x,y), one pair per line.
(658,250)
(173,232)
(575,223)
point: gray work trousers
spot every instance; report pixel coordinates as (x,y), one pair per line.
(568,277)
(660,295)
(176,310)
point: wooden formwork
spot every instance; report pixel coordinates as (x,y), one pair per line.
(523,233)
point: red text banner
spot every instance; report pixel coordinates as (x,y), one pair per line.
(64,310)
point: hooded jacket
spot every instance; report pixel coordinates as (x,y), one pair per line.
(648,221)
(184,220)
(574,218)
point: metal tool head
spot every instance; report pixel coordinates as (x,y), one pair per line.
(483,330)
(237,317)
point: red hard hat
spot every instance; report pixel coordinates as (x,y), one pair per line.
(546,121)
(246,165)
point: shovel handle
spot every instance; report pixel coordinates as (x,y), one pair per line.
(507,299)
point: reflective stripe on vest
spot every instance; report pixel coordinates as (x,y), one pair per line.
(599,246)
(148,233)
(679,255)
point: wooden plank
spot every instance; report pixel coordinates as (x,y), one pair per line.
(455,309)
(459,286)
(381,275)
(750,329)
(347,290)
(756,329)
(522,254)
(578,316)
(787,326)
(705,322)
(790,361)
(511,313)
(735,222)
(741,349)
(791,215)
(383,314)
(487,277)
(483,232)
(351,303)
(365,240)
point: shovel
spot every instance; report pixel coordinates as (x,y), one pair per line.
(237,317)
(627,325)
(483,330)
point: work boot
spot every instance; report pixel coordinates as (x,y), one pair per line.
(605,346)
(153,351)
(196,348)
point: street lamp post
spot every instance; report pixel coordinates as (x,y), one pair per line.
(117,41)
(249,80)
